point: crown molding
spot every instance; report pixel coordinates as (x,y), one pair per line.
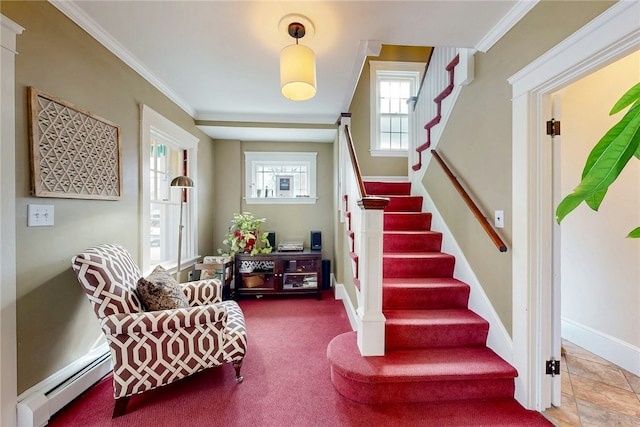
(516,13)
(77,15)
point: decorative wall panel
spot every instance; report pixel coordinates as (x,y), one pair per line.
(74,153)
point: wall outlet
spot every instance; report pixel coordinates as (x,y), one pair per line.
(39,215)
(498,219)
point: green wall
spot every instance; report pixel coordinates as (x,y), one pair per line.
(55,323)
(291,222)
(477,141)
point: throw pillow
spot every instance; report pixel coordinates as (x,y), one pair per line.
(161,291)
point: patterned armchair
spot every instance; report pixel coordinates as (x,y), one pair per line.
(154,348)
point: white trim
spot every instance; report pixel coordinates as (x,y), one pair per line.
(37,404)
(517,12)
(150,119)
(8,349)
(341,294)
(612,349)
(412,71)
(385,178)
(388,153)
(84,21)
(607,38)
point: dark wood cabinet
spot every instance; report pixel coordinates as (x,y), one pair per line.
(278,273)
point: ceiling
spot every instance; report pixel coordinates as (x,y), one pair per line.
(219,60)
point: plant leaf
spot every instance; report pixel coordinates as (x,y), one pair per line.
(630,96)
(595,200)
(605,162)
(635,233)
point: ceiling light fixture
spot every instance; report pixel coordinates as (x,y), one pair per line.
(297,67)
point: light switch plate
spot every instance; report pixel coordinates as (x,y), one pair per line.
(39,215)
(499,219)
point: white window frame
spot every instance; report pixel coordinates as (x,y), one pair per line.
(153,122)
(384,69)
(254,158)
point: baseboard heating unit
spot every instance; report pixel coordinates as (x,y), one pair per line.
(40,402)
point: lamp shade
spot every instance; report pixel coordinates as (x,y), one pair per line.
(182,181)
(298,72)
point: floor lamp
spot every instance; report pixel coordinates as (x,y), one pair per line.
(181,182)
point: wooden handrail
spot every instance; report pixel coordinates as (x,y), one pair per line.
(476,212)
(354,162)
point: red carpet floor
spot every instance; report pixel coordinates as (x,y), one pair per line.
(287,383)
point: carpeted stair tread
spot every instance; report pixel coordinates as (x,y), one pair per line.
(412,241)
(412,329)
(385,187)
(434,364)
(424,293)
(417,264)
(404,204)
(460,316)
(407,221)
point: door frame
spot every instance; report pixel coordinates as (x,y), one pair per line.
(609,37)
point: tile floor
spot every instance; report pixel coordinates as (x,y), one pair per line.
(595,392)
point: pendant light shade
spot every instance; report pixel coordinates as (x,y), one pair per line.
(297,68)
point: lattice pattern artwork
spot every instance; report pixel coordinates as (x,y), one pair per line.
(74,153)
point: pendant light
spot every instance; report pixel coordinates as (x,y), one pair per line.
(297,67)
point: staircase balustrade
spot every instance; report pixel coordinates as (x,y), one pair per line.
(363,218)
(447,71)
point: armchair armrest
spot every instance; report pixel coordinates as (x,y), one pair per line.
(202,292)
(164,320)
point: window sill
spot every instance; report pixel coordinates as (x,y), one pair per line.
(280,200)
(389,153)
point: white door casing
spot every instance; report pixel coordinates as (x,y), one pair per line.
(8,348)
(609,37)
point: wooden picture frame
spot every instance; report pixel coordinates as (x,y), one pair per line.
(74,153)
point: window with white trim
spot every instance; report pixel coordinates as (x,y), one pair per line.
(167,151)
(392,85)
(280,177)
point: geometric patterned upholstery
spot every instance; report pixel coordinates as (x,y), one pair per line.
(154,348)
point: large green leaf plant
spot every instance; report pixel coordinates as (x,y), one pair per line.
(607,159)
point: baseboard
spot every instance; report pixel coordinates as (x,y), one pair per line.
(341,294)
(37,404)
(616,351)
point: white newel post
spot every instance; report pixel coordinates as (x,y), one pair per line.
(371,323)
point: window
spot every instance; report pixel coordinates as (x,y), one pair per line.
(285,177)
(392,84)
(167,151)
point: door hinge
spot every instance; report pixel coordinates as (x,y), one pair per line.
(553,367)
(553,127)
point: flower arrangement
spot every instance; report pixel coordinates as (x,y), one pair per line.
(244,236)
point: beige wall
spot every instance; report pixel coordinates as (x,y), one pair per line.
(600,268)
(290,222)
(360,109)
(55,322)
(477,141)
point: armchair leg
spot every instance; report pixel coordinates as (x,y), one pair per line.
(120,406)
(237,366)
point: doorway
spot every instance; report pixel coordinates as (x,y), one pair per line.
(595,266)
(608,38)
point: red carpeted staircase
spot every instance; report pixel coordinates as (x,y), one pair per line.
(435,347)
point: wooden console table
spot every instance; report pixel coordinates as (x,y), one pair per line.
(279,273)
